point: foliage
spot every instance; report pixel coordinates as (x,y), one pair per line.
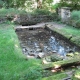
(42,12)
(26,4)
(47,4)
(40,4)
(55,6)
(1,3)
(75,15)
(74,4)
(75,18)
(11,12)
(14,3)
(47,13)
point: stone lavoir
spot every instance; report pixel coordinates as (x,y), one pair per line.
(38,42)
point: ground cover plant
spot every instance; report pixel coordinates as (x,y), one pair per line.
(13,64)
(75,19)
(70,32)
(10,12)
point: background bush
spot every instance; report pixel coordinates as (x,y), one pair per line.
(42,12)
(11,12)
(36,16)
(75,19)
(52,15)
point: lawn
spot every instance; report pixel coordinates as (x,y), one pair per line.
(13,64)
(74,32)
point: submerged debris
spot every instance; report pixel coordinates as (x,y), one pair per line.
(40,43)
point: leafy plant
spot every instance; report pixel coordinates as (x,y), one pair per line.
(41,12)
(75,18)
(11,12)
(1,3)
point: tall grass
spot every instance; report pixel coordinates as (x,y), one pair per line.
(13,65)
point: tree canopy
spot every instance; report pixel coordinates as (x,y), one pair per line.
(39,4)
(21,3)
(74,4)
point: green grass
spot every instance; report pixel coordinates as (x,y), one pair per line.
(69,31)
(60,76)
(75,33)
(13,64)
(77,75)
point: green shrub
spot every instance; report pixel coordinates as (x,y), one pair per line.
(42,12)
(1,3)
(75,19)
(10,12)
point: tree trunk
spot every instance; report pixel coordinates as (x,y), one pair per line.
(39,4)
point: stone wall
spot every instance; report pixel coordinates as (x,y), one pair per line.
(32,19)
(27,19)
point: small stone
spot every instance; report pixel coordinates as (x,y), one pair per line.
(70,51)
(78,67)
(48,49)
(38,50)
(24,50)
(54,51)
(70,54)
(30,57)
(70,73)
(67,78)
(37,46)
(29,38)
(55,57)
(40,55)
(45,62)
(31,54)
